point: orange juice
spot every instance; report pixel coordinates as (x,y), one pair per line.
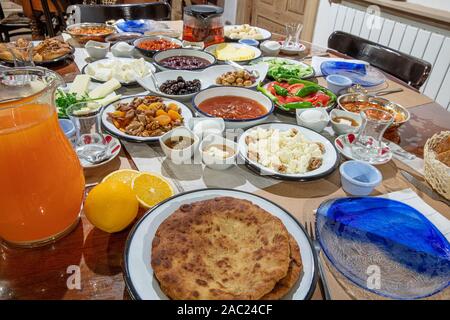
(42,182)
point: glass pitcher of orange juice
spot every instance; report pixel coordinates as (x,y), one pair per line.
(41,179)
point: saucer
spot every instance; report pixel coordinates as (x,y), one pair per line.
(343,145)
(114,148)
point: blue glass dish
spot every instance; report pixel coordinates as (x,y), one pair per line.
(359,73)
(384,246)
(140,26)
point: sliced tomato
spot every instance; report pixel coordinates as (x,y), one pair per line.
(293,99)
(293,88)
(321,99)
(282,100)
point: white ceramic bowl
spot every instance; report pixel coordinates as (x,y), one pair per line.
(97,50)
(151,53)
(122,49)
(182,156)
(213,162)
(270,47)
(203,127)
(342,128)
(234,91)
(309,118)
(257,52)
(182,52)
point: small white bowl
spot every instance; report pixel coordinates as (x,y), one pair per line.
(315,119)
(182,156)
(122,50)
(270,47)
(97,50)
(292,50)
(214,162)
(202,127)
(342,128)
(239,92)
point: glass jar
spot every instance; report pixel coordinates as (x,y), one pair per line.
(42,185)
(203,23)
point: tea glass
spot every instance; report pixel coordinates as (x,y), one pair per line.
(90,142)
(368,144)
(22,53)
(293,31)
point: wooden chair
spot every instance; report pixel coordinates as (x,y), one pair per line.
(102,13)
(407,68)
(13,25)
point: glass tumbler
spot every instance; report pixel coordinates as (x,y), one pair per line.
(368,144)
(293,31)
(90,142)
(22,52)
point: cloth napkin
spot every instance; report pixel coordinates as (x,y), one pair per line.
(316,62)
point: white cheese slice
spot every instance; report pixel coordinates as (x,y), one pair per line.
(109,99)
(80,84)
(104,89)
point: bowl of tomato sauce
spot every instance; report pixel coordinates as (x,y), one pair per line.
(238,107)
(150,45)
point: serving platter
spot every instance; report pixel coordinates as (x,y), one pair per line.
(186,113)
(360,233)
(44,63)
(138,272)
(288,61)
(330,158)
(257,53)
(149,65)
(266,34)
(207,78)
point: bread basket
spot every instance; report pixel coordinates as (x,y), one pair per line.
(437,173)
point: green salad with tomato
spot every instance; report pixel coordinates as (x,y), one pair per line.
(297,94)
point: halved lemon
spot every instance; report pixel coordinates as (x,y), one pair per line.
(125,175)
(151,189)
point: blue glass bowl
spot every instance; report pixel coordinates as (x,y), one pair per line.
(361,74)
(384,246)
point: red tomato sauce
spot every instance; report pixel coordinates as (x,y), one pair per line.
(232,107)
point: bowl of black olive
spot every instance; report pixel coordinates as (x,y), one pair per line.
(176,85)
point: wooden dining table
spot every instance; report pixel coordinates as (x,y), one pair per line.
(88,263)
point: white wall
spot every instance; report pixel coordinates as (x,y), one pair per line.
(229,11)
(437,4)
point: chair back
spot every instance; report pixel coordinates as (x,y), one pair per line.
(405,67)
(101,13)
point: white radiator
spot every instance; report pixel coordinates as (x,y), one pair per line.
(422,41)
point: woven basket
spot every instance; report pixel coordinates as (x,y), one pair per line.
(437,174)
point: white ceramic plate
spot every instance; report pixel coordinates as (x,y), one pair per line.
(257,52)
(265,33)
(287,60)
(114,148)
(239,92)
(207,78)
(139,277)
(330,158)
(186,113)
(343,144)
(93,64)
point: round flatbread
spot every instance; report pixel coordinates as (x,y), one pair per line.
(295,269)
(222,248)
